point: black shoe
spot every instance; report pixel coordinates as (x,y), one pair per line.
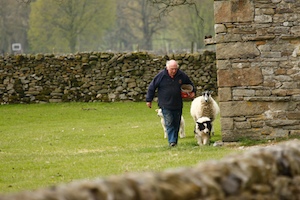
(172,144)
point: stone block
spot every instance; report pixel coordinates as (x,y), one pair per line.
(295,132)
(263,19)
(242,108)
(234,11)
(240,50)
(276,1)
(241,65)
(240,77)
(242,125)
(229,136)
(295,92)
(271,54)
(294,115)
(226,123)
(296,51)
(225,94)
(265,48)
(223,64)
(221,38)
(245,29)
(295,30)
(131,84)
(55,100)
(265,92)
(289,85)
(220,28)
(279,92)
(281,122)
(278,133)
(243,92)
(257,124)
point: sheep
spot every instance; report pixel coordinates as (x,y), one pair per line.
(205,106)
(182,124)
(203,130)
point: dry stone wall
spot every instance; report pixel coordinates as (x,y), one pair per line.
(94,76)
(258,62)
(269,173)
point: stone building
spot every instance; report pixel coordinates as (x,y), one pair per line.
(258,62)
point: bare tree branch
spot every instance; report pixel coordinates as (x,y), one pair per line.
(167,6)
(24,1)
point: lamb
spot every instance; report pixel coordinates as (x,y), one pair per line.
(203,130)
(205,106)
(181,129)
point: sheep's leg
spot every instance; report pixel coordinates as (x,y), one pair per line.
(206,141)
(165,132)
(182,132)
(199,140)
(212,129)
(164,127)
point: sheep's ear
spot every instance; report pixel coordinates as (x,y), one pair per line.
(210,92)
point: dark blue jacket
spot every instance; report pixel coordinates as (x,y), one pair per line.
(169,92)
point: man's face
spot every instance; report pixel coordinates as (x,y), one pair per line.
(172,69)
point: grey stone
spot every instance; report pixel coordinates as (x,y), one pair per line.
(237,50)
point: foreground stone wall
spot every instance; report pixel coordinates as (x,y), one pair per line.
(94,76)
(270,173)
(258,61)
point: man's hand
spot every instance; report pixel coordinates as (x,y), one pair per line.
(192,95)
(149,104)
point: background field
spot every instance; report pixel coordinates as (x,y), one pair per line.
(46,144)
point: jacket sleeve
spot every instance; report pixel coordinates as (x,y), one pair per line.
(151,91)
(153,86)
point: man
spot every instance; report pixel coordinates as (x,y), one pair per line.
(168,83)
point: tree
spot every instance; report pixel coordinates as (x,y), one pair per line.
(69,25)
(13,24)
(198,20)
(166,6)
(120,37)
(150,24)
(147,24)
(195,26)
(136,25)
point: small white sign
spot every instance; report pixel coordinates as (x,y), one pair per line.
(16,47)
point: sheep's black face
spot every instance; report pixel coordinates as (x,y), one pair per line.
(204,127)
(206,95)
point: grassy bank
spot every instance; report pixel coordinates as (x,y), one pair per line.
(46,144)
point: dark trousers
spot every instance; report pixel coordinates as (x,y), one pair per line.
(172,122)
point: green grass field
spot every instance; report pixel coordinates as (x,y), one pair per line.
(46,144)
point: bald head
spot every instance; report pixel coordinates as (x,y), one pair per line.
(172,63)
(172,67)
